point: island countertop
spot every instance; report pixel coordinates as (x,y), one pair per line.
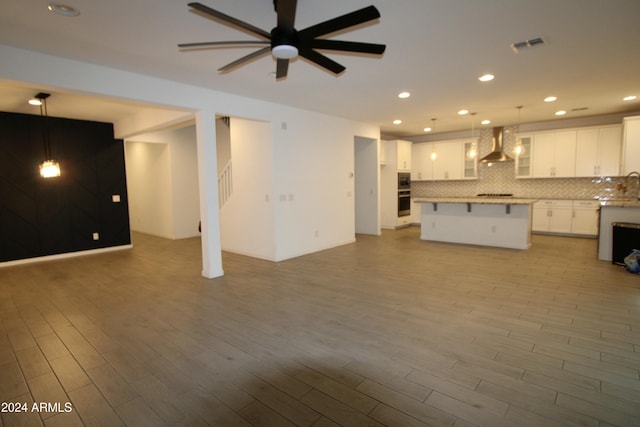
(477,200)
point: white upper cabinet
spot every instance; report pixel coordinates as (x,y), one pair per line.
(554,154)
(631,145)
(449,161)
(397,153)
(404,155)
(446,160)
(598,151)
(383,152)
(418,154)
(566,153)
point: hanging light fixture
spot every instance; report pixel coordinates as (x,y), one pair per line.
(473,151)
(49,168)
(518,150)
(434,153)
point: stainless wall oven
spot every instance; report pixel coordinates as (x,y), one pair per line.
(404,194)
(404,202)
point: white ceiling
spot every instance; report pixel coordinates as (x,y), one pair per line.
(436,49)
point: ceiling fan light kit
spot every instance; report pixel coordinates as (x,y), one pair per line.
(287,43)
(284,51)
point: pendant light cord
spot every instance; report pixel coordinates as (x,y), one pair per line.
(45,132)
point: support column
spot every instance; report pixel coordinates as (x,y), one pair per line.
(208,185)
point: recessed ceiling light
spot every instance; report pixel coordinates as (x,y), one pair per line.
(404,95)
(427,129)
(63,9)
(485,122)
(486,77)
(629,98)
(561,113)
(463,112)
(397,122)
(35,101)
(550,98)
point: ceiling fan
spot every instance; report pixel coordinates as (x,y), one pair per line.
(285,42)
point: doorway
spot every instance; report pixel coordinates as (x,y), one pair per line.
(366,186)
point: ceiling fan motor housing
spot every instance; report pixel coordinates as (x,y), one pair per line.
(284,36)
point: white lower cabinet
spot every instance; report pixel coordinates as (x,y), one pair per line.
(578,217)
(552,216)
(585,217)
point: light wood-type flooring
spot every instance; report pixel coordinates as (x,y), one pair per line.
(389,330)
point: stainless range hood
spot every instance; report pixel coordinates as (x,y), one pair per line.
(497,154)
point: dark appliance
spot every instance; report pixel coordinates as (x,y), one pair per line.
(404,203)
(404,181)
(626,238)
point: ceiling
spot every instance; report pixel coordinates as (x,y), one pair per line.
(436,49)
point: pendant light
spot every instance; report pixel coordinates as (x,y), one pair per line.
(473,151)
(434,153)
(518,150)
(49,168)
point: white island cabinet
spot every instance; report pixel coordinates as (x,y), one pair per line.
(612,212)
(496,222)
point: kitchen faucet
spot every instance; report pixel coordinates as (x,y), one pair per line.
(637,175)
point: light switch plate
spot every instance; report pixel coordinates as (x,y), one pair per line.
(115,198)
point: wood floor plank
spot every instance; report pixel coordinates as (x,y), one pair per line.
(69,373)
(338,391)
(412,408)
(32,362)
(337,411)
(287,406)
(93,408)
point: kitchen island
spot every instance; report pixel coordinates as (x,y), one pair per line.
(488,221)
(611,211)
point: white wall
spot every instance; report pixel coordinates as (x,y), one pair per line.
(367,186)
(184,183)
(163,188)
(314,185)
(246,219)
(149,188)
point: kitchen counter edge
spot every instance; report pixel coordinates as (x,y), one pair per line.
(477,200)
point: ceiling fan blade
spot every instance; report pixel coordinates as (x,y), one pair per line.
(322,60)
(245,59)
(286,10)
(230,20)
(225,43)
(341,22)
(340,45)
(281,68)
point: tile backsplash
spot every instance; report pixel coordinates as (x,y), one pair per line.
(500,178)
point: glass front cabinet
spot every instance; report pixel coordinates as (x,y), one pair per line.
(522,154)
(470,159)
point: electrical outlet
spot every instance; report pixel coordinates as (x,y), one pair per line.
(115,198)
(96,236)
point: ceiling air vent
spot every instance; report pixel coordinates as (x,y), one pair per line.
(537,41)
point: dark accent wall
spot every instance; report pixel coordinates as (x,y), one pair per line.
(40,217)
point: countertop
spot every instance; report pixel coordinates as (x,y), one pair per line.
(621,203)
(477,200)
